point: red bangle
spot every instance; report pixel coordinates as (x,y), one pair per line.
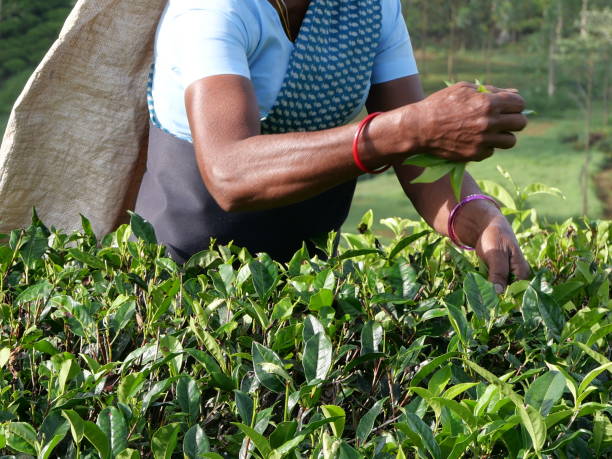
(356,158)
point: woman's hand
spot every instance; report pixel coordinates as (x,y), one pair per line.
(498,248)
(460,123)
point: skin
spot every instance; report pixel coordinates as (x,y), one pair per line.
(245,170)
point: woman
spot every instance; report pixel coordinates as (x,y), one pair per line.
(250,101)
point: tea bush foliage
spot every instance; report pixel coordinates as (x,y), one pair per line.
(386,350)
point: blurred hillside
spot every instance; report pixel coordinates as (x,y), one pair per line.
(27,29)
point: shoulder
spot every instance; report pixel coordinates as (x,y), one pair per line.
(239,18)
(391,12)
(244,9)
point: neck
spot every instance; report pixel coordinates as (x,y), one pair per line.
(297,10)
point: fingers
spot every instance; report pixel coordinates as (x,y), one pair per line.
(503,140)
(508,102)
(502,263)
(499,269)
(518,265)
(509,123)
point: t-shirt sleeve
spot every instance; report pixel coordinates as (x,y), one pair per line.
(209,40)
(394,56)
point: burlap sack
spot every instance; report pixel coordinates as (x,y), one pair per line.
(76,138)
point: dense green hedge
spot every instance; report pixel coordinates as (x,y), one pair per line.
(108,349)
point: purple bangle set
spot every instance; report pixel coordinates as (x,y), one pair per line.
(453,215)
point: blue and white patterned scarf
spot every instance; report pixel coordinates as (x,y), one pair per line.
(329,69)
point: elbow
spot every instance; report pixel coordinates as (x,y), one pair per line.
(224,186)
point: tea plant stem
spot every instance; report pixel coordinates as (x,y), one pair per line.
(286,406)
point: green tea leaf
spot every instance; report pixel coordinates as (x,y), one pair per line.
(545,392)
(262,280)
(371,337)
(130,386)
(164,441)
(21,437)
(317,358)
(459,322)
(456,179)
(366,423)
(36,292)
(425,160)
(430,367)
(5,355)
(425,434)
(434,173)
(405,242)
(284,432)
(195,443)
(245,406)
(312,326)
(112,423)
(142,229)
(337,412)
(97,438)
(261,356)
(77,426)
(533,422)
(261,443)
(87,259)
(128,454)
(584,384)
(188,396)
(480,295)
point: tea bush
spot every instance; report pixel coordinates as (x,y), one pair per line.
(384,350)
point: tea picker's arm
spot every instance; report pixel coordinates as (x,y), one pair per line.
(479,224)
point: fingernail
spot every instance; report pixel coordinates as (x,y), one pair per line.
(499,289)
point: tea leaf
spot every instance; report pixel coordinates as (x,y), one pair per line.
(142,229)
(262,356)
(261,443)
(545,392)
(434,173)
(97,438)
(480,295)
(425,435)
(195,443)
(317,357)
(113,425)
(164,441)
(337,412)
(21,437)
(367,421)
(371,337)
(188,396)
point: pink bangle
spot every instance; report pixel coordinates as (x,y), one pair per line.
(453,215)
(356,158)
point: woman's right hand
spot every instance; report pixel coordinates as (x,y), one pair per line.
(460,123)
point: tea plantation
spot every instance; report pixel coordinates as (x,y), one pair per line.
(108,349)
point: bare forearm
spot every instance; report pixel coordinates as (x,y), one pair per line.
(245,170)
(263,171)
(435,201)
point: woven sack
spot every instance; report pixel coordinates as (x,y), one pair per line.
(76,139)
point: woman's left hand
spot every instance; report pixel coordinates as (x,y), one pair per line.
(498,248)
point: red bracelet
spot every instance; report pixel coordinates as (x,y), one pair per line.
(356,158)
(453,215)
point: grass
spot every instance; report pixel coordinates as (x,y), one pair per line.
(540,156)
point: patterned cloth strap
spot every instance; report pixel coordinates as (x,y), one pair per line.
(329,69)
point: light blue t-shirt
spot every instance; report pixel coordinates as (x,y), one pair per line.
(201,38)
